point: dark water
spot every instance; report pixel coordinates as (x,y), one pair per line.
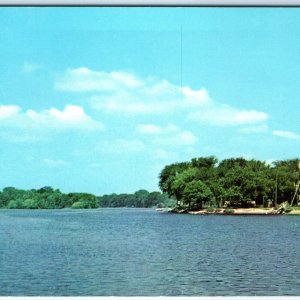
(131,252)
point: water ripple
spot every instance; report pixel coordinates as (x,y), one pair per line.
(132,252)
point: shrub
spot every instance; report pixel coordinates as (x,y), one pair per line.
(211,209)
(31,203)
(15,204)
(228,211)
(78,204)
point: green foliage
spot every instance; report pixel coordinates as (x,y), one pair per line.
(211,209)
(15,204)
(181,180)
(234,182)
(233,196)
(84,200)
(31,203)
(79,204)
(228,211)
(141,198)
(287,174)
(196,193)
(204,162)
(49,198)
(168,174)
(295,208)
(8,194)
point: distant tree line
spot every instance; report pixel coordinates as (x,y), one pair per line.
(141,198)
(233,182)
(49,198)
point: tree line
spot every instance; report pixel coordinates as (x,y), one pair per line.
(50,198)
(203,181)
(233,182)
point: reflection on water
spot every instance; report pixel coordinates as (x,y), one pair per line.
(131,252)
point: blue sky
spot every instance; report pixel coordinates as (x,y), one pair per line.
(101,99)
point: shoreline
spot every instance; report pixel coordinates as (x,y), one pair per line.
(236,212)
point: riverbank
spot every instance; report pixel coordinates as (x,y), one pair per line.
(235,211)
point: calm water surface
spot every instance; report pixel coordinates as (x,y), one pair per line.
(131,252)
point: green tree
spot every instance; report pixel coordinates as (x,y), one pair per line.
(15,204)
(31,203)
(169,174)
(87,200)
(153,199)
(180,181)
(216,187)
(196,193)
(8,194)
(286,172)
(204,162)
(141,198)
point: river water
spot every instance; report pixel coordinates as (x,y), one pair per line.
(134,252)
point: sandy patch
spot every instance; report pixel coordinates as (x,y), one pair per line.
(294,212)
(236,211)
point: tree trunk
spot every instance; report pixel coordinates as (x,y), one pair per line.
(220,202)
(296,192)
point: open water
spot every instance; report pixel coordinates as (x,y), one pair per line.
(132,252)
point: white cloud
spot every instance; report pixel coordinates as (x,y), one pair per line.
(180,139)
(286,134)
(194,97)
(126,103)
(155,129)
(170,135)
(8,111)
(148,129)
(120,92)
(71,117)
(225,115)
(164,155)
(21,137)
(54,162)
(121,146)
(30,67)
(86,80)
(187,138)
(255,129)
(125,93)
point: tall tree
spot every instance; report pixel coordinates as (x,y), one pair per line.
(196,193)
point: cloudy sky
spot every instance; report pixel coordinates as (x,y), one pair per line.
(101,99)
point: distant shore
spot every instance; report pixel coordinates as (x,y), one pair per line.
(234,211)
